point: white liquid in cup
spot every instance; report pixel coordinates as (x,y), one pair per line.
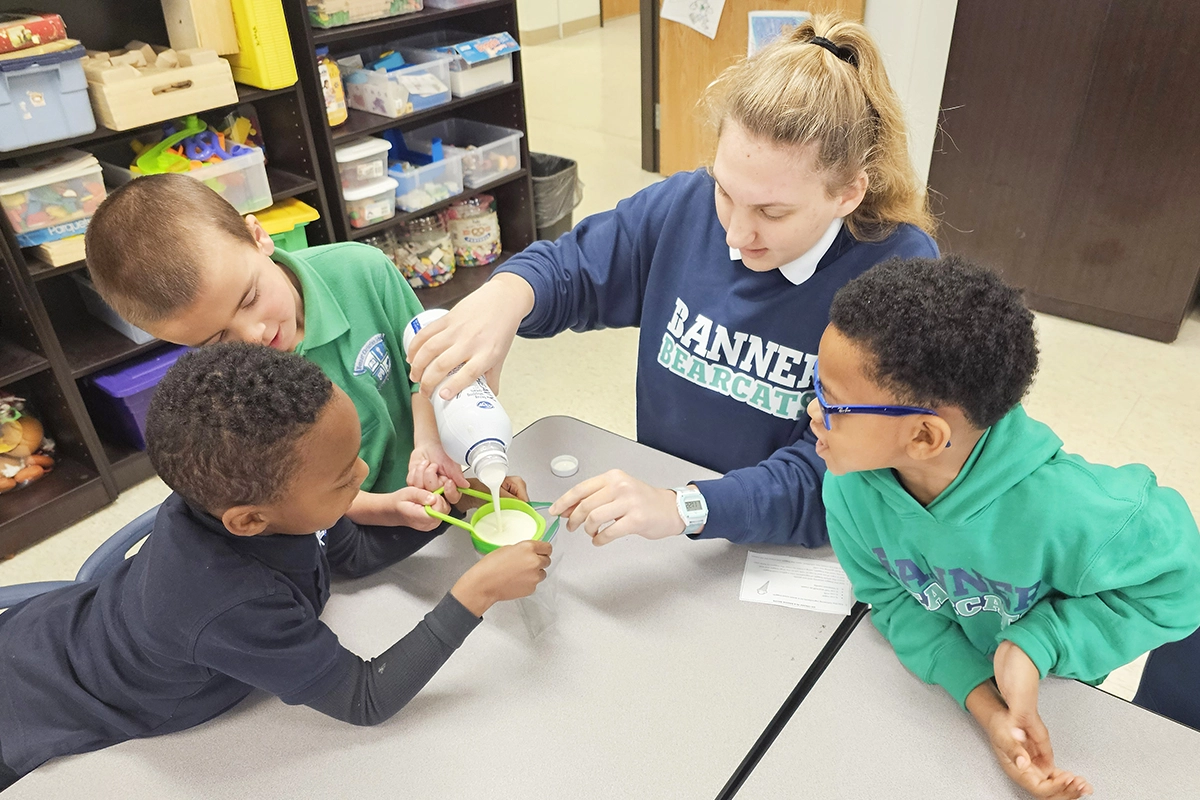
(509,526)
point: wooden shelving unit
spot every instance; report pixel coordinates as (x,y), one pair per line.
(48,342)
(504,105)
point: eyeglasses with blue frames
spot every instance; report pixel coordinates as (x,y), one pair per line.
(887,411)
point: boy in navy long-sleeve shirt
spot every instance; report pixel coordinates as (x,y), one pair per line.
(225,595)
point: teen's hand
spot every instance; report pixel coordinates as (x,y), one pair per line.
(477,333)
(506,573)
(429,468)
(512,487)
(614,504)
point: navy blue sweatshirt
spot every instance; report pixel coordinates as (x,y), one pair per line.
(185,629)
(725,354)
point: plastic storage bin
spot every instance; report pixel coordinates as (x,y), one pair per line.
(265,51)
(241,180)
(362,161)
(495,150)
(453,3)
(422,187)
(43,96)
(334,13)
(476,63)
(102,311)
(419,86)
(51,197)
(285,222)
(372,203)
(119,397)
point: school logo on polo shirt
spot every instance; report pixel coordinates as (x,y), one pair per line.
(374,358)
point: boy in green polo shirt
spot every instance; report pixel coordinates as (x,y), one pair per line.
(218,277)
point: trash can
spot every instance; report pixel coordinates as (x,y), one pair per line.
(556,191)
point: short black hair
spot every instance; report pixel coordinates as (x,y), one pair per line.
(224,422)
(942,332)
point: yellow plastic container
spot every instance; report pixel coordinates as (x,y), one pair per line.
(331,86)
(265,57)
(284,222)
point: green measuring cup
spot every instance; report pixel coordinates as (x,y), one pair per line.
(544,532)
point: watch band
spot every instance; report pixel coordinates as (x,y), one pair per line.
(693,509)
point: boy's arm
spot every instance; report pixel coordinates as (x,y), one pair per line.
(931,646)
(429,466)
(357,550)
(1141,590)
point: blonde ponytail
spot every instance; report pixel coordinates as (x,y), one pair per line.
(834,94)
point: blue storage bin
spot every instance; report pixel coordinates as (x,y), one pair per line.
(44,98)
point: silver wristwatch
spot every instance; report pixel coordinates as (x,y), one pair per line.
(693,510)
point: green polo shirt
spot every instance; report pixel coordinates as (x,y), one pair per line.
(356,305)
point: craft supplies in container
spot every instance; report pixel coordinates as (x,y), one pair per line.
(102,311)
(419,187)
(145,84)
(334,13)
(371,203)
(285,222)
(478,63)
(51,197)
(119,397)
(331,88)
(488,152)
(43,95)
(381,82)
(424,252)
(362,161)
(474,231)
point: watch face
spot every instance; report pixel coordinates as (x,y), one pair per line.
(693,506)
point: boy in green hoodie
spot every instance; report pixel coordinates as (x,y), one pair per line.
(989,556)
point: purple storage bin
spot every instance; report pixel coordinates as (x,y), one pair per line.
(119,396)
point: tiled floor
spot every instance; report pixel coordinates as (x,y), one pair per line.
(1112,398)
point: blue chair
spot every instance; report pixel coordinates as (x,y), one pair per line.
(98,564)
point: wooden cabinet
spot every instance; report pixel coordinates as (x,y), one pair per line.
(1069,155)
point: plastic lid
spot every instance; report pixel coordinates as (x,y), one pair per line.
(61,165)
(564,466)
(382,186)
(134,377)
(363,148)
(286,215)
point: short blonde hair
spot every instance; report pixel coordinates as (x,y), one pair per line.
(803,93)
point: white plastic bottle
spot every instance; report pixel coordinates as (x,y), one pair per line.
(474,427)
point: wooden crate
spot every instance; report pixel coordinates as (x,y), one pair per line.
(124,96)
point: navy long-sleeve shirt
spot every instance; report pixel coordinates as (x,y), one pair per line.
(725,353)
(189,626)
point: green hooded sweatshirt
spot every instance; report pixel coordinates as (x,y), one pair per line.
(1084,567)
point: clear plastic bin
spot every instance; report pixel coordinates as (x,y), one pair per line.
(49,191)
(102,311)
(422,187)
(453,3)
(363,161)
(335,13)
(488,151)
(241,180)
(466,78)
(424,84)
(372,203)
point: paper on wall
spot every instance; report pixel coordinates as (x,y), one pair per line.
(767,26)
(806,583)
(700,15)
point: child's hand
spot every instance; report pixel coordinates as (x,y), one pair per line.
(512,487)
(1018,735)
(407,508)
(506,573)
(429,468)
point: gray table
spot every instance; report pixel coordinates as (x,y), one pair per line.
(654,682)
(870,729)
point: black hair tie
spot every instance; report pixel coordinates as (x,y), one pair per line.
(844,53)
